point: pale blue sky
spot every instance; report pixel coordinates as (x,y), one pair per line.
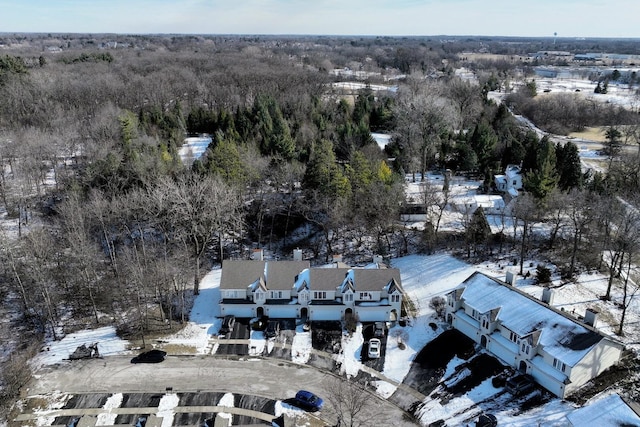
(569,18)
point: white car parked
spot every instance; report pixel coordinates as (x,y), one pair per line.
(374,348)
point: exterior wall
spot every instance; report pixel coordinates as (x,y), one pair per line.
(284,294)
(291,311)
(466,325)
(543,377)
(331,296)
(373,314)
(238,310)
(603,356)
(326,312)
(234,293)
(502,348)
(374,296)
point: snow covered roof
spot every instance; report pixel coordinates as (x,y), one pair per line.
(561,336)
(512,170)
(609,411)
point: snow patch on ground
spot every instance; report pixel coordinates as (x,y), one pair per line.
(226,401)
(107,418)
(57,351)
(167,404)
(301,346)
(349,357)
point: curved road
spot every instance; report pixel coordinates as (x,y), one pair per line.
(270,378)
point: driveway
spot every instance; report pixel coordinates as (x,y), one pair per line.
(190,376)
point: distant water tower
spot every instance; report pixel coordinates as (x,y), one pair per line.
(555,34)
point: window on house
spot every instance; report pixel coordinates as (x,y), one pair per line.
(365,296)
(348,297)
(559,365)
(276,294)
(303,296)
(319,295)
(513,336)
(485,323)
(515,182)
(474,314)
(260,296)
(395,298)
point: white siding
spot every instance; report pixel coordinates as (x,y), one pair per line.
(601,357)
(373,314)
(238,310)
(325,312)
(282,311)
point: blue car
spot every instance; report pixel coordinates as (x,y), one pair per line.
(309,401)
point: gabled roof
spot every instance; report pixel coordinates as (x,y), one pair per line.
(327,279)
(302,281)
(281,275)
(238,274)
(376,279)
(562,336)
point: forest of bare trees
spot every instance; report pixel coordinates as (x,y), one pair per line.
(104,224)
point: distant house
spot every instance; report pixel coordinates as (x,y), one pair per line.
(292,289)
(561,352)
(609,411)
(510,182)
(491,204)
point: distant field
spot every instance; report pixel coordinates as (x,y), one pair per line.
(591,134)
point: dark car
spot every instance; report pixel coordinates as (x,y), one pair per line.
(520,384)
(228,323)
(151,356)
(378,329)
(272,330)
(309,401)
(487,420)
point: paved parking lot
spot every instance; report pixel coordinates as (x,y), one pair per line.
(198,381)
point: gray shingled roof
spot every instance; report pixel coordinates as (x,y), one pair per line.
(375,279)
(238,274)
(281,275)
(327,279)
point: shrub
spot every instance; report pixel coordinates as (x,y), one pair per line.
(438,304)
(543,274)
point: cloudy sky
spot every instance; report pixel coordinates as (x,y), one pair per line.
(567,18)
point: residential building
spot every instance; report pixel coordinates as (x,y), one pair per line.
(559,351)
(292,289)
(510,182)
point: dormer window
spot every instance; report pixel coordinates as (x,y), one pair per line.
(348,297)
(485,323)
(395,298)
(365,296)
(513,336)
(319,295)
(260,296)
(276,295)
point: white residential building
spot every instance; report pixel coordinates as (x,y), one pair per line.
(561,352)
(292,289)
(511,181)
